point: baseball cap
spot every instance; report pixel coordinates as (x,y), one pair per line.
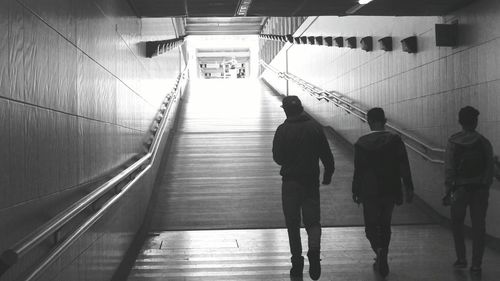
(291,101)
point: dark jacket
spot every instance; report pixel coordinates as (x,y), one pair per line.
(380,162)
(465,139)
(299,143)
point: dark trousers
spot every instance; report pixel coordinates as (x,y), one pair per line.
(476,197)
(297,197)
(377,213)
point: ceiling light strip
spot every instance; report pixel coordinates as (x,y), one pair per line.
(243,7)
(355,8)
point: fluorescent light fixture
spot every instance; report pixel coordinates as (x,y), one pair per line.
(358,6)
(243,7)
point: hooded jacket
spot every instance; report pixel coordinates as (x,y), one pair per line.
(380,162)
(298,145)
(467,139)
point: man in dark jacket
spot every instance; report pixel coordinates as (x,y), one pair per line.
(469,169)
(380,162)
(299,143)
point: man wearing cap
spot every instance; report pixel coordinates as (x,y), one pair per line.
(469,169)
(380,164)
(299,143)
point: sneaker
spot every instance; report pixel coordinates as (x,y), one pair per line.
(314,265)
(297,266)
(460,263)
(475,269)
(383,266)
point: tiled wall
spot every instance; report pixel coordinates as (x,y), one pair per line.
(77,98)
(420,92)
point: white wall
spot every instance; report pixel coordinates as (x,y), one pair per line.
(77,100)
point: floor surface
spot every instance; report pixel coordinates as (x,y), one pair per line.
(218,208)
(220,173)
(417,253)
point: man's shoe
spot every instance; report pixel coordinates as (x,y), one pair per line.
(297,266)
(460,263)
(475,269)
(383,266)
(314,265)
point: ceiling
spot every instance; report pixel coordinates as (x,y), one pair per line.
(220,55)
(287,8)
(219,17)
(223,52)
(223,25)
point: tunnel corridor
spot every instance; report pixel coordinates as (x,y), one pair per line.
(220,173)
(136,135)
(217,210)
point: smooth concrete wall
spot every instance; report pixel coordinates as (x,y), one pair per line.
(420,92)
(77,99)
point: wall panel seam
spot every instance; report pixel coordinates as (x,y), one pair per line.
(74,187)
(120,36)
(130,49)
(69,114)
(83,52)
(426,95)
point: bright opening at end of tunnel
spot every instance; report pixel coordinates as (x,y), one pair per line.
(223,98)
(225,69)
(223,57)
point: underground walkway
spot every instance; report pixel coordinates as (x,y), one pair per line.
(217,213)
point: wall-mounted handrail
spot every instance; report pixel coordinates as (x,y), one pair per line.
(56,252)
(53,225)
(350,107)
(10,256)
(427,157)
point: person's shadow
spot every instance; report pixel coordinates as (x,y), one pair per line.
(476,276)
(463,275)
(296,278)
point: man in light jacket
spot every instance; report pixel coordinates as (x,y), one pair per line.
(469,170)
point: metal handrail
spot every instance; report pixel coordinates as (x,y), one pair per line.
(56,252)
(43,232)
(12,255)
(349,106)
